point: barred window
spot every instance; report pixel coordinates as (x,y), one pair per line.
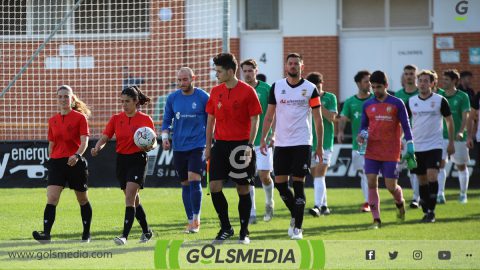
(409,13)
(41,17)
(384,14)
(261,15)
(13,17)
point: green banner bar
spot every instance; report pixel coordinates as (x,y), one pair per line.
(305,251)
(318,252)
(173,253)
(160,255)
(266,254)
(402,254)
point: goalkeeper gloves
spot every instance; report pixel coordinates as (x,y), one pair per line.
(409,157)
(410,148)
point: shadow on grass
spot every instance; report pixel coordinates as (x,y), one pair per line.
(454,197)
(262,230)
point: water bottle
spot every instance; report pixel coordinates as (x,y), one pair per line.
(362,148)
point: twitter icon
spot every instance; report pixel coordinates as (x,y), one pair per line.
(393,255)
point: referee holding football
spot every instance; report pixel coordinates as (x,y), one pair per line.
(233,111)
(67,141)
(131,160)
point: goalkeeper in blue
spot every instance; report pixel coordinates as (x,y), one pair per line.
(186,109)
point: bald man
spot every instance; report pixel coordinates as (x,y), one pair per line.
(186,108)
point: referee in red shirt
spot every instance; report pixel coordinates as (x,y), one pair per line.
(67,141)
(233,111)
(131,160)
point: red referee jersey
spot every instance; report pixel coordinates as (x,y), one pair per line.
(124,128)
(65,131)
(232,109)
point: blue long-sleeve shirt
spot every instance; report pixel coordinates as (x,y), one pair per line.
(189,119)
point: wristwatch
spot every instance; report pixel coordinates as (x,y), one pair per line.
(78,156)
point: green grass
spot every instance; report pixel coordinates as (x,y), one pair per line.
(22,212)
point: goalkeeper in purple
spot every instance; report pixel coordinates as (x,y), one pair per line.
(384,117)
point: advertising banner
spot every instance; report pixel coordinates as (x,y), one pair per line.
(25,164)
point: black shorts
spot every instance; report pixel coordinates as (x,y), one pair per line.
(60,173)
(189,161)
(226,162)
(427,160)
(292,160)
(476,146)
(131,168)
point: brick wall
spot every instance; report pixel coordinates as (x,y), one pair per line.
(462,43)
(235,47)
(319,54)
(25,109)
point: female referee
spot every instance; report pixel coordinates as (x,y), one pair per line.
(67,141)
(131,160)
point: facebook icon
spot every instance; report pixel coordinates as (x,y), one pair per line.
(370,255)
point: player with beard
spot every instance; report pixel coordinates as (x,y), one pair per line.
(460,108)
(427,111)
(409,90)
(249,69)
(186,107)
(320,167)
(352,112)
(292,102)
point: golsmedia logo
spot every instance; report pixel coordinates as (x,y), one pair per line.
(461,8)
(210,254)
(179,254)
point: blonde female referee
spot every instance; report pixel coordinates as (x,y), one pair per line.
(67,141)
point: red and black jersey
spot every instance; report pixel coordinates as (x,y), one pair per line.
(232,109)
(64,132)
(124,128)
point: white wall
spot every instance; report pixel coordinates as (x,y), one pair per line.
(298,17)
(309,17)
(204,18)
(389,54)
(267,50)
(358,54)
(234,12)
(444,14)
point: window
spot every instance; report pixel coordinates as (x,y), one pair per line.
(130,16)
(13,17)
(409,13)
(261,15)
(117,16)
(363,14)
(91,18)
(41,17)
(385,14)
(46,15)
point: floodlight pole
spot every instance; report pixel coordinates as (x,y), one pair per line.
(226,26)
(40,48)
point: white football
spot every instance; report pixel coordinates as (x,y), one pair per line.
(144,137)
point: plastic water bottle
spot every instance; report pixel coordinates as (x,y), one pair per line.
(362,148)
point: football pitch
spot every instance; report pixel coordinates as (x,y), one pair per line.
(22,212)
